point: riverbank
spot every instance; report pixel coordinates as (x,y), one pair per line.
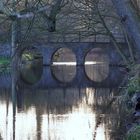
(130,100)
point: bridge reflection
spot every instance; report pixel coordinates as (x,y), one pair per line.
(57,113)
(80,79)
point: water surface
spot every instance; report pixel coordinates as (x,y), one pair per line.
(61,113)
(57,114)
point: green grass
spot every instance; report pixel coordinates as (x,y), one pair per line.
(133,85)
(4,64)
(134,133)
(4,61)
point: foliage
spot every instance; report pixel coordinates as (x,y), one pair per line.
(4,61)
(134,133)
(134,81)
(4,64)
(27,56)
(134,85)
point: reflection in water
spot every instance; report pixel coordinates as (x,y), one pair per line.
(64,65)
(97,65)
(95,70)
(57,114)
(61,113)
(31,66)
(75,125)
(74,63)
(25,127)
(64,73)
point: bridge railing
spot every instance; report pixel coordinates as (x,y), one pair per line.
(81,36)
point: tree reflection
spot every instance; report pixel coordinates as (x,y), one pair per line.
(109,112)
(54,113)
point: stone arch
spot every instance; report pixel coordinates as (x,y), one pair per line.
(30,65)
(96,64)
(63,65)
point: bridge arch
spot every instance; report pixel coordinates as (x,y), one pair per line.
(31,65)
(96,64)
(63,66)
(80,50)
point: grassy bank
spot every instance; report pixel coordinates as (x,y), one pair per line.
(134,133)
(4,64)
(129,94)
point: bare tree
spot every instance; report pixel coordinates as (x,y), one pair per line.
(99,18)
(136,5)
(18,12)
(88,17)
(129,19)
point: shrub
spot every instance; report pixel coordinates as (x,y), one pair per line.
(133,85)
(134,133)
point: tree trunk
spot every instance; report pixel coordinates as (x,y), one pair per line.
(129,19)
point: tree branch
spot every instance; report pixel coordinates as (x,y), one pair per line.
(131,22)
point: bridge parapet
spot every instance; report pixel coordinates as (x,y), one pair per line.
(80,50)
(79,36)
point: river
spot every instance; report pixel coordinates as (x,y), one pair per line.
(62,113)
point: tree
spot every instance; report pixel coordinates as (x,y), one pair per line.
(129,19)
(95,17)
(15,11)
(136,5)
(100,18)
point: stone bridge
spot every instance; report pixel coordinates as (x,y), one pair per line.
(80,50)
(80,79)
